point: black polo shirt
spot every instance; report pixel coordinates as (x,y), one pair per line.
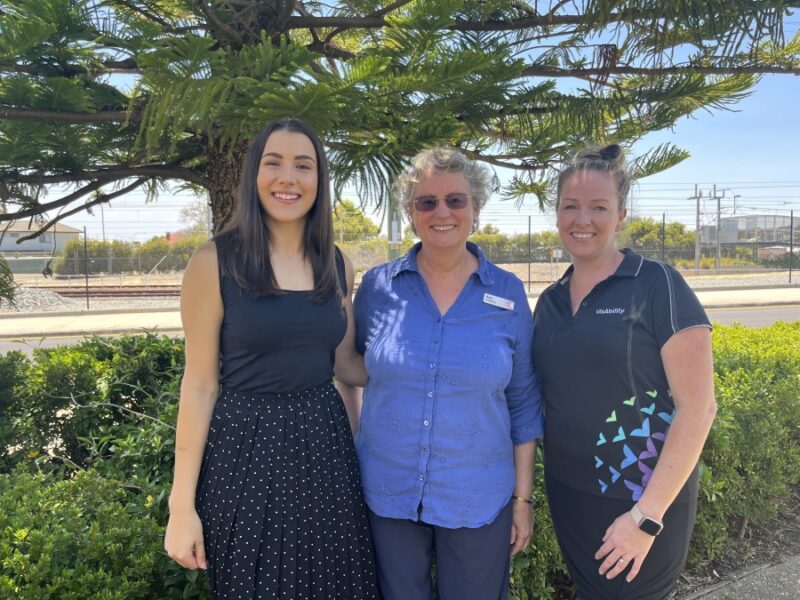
(607,402)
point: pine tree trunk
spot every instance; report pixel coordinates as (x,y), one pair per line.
(223,171)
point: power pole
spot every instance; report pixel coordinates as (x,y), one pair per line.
(529,255)
(697,196)
(718,254)
(395,227)
(719,223)
(791,243)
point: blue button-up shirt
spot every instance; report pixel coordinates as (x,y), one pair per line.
(448,396)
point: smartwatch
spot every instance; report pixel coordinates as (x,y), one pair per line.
(647,524)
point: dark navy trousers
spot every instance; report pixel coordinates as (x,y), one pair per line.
(471,563)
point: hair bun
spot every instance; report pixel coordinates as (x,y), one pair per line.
(612,153)
(603,159)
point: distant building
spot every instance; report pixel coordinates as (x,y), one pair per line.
(751,229)
(772,252)
(54,238)
(174,237)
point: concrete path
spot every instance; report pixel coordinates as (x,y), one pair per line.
(32,325)
(780,581)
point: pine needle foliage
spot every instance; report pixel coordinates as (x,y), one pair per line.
(96,95)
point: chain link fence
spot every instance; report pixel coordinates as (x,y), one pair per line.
(535,259)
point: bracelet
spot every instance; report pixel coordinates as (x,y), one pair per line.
(521,499)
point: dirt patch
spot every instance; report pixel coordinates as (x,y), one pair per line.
(761,544)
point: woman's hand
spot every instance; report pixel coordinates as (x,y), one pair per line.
(521,526)
(623,544)
(184,540)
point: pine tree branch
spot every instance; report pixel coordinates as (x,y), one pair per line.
(145,13)
(40,208)
(545,71)
(98,200)
(127,65)
(57,116)
(499,163)
(283,17)
(220,26)
(378,14)
(110,174)
(390,7)
(330,51)
(377,21)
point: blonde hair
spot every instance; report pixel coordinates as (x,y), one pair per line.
(605,159)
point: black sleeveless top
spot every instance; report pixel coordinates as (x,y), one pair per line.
(278,343)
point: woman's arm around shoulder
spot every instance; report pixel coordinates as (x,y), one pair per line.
(349,366)
(201,315)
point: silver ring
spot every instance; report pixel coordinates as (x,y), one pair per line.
(622,561)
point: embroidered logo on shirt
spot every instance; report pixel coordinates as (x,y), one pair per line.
(503,303)
(609,311)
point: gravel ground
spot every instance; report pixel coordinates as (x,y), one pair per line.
(30,300)
(741,279)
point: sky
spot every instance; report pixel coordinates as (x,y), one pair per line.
(752,153)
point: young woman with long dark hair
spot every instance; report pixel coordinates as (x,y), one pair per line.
(266,492)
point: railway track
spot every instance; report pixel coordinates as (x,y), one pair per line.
(114,291)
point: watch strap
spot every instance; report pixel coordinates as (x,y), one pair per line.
(647,524)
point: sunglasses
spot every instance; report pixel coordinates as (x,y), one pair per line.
(429,203)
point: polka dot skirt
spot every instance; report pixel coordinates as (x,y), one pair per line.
(280,499)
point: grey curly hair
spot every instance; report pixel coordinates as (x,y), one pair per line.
(481,181)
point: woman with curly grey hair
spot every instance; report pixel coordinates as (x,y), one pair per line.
(451,408)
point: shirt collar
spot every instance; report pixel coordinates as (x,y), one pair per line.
(629,267)
(631,264)
(408,262)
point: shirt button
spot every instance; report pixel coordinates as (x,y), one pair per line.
(436,340)
(585,303)
(426,422)
(424,450)
(430,394)
(433,365)
(420,476)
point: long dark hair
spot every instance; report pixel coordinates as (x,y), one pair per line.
(245,242)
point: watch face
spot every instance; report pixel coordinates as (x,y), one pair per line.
(650,526)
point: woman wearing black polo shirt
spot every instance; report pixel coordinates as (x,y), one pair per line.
(623,350)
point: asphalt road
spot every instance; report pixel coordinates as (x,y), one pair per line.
(754,316)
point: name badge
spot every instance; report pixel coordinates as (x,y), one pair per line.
(499,302)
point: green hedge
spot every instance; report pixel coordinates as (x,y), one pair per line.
(85,537)
(751,461)
(91,425)
(86,443)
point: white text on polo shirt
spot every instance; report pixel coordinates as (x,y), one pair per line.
(609,311)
